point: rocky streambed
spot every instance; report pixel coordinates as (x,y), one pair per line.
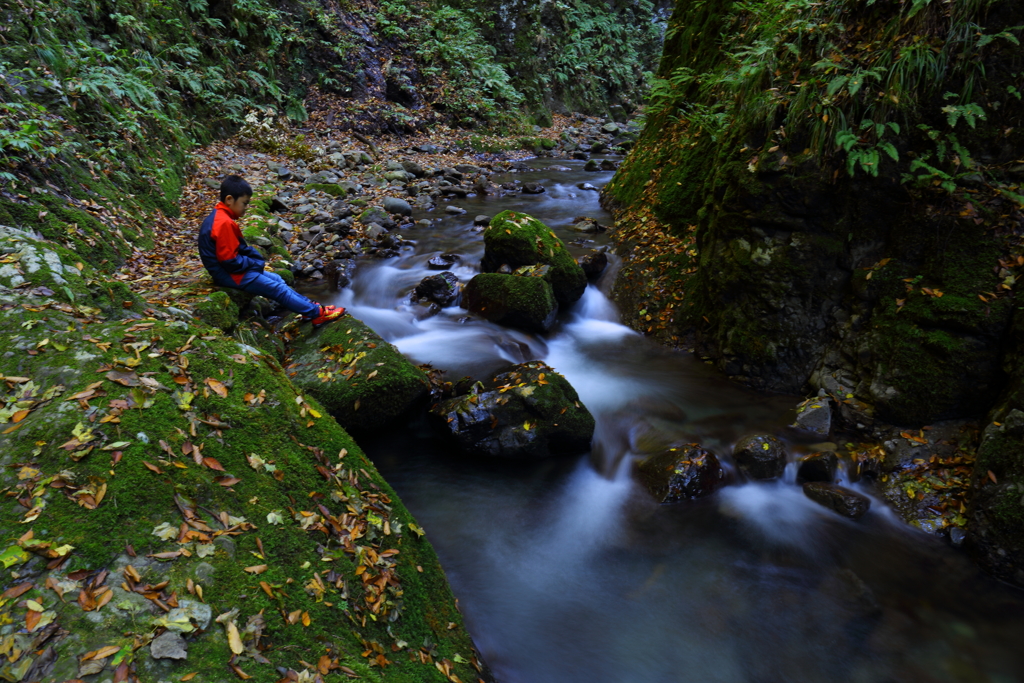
(706,518)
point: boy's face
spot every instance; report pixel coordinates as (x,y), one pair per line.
(238,205)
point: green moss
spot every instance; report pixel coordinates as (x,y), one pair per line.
(218,310)
(333,189)
(151,476)
(517,239)
(361,379)
(517,301)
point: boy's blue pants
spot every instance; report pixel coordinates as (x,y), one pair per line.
(272,286)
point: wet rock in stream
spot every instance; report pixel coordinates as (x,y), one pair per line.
(530,411)
(680,473)
(842,500)
(442,289)
(760,457)
(518,301)
(814,417)
(818,467)
(593,264)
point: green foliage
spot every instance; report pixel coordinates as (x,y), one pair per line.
(27,133)
(812,70)
(455,57)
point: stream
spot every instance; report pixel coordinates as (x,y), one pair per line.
(567,571)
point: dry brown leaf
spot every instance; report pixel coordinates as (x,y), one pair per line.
(16,591)
(32,619)
(256,569)
(213,464)
(238,672)
(217,387)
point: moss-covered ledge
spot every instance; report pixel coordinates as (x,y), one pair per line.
(159,474)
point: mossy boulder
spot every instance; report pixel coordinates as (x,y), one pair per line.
(156,466)
(218,310)
(286,275)
(529,411)
(364,381)
(516,301)
(333,189)
(517,239)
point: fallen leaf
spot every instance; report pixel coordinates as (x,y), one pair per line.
(217,387)
(128,379)
(238,672)
(105,652)
(16,591)
(189,677)
(151,467)
(213,464)
(306,621)
(256,569)
(234,638)
(227,481)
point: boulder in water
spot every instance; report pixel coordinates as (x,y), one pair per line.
(517,239)
(442,289)
(680,473)
(533,188)
(760,457)
(513,300)
(443,261)
(593,264)
(844,501)
(530,411)
(818,467)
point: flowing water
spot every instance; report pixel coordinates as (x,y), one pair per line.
(566,571)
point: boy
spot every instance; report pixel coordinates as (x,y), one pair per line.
(233,263)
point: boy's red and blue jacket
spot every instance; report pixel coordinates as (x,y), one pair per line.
(223,249)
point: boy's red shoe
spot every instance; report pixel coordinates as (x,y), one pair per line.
(327,314)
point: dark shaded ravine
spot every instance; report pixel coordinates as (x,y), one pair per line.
(567,571)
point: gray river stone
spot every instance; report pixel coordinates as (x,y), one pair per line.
(169,645)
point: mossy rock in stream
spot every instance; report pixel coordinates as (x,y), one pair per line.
(517,239)
(177,451)
(364,381)
(514,300)
(529,411)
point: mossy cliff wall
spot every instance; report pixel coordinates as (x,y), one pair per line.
(816,202)
(828,196)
